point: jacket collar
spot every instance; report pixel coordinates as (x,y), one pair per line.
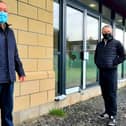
(103,40)
(6,26)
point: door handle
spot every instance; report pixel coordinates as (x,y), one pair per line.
(84,55)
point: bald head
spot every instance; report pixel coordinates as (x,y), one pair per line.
(3,14)
(3,6)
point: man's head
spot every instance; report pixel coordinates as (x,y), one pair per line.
(3,12)
(3,6)
(107,32)
(107,29)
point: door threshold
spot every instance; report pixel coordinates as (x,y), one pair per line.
(72,90)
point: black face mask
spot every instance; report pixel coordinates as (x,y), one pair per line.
(107,36)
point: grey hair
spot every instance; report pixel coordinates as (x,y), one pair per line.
(107,26)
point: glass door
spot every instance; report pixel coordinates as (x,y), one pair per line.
(56,31)
(74,42)
(91,41)
(125,50)
(119,36)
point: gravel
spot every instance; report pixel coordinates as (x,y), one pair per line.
(83,114)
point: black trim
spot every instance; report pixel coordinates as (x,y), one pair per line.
(61,59)
(82,73)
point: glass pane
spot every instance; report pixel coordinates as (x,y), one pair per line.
(119,36)
(56,39)
(74,42)
(119,19)
(106,12)
(92,39)
(105,22)
(125,61)
(125,41)
(125,69)
(91,3)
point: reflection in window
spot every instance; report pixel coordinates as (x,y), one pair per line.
(56,38)
(56,26)
(105,22)
(72,24)
(119,19)
(91,3)
(56,15)
(92,39)
(125,41)
(125,61)
(119,36)
(74,42)
(92,33)
(106,12)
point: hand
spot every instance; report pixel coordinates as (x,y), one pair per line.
(22,78)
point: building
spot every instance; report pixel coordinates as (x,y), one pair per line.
(51,36)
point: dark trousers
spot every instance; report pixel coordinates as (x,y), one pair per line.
(108,83)
(6,103)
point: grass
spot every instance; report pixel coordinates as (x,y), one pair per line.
(57,112)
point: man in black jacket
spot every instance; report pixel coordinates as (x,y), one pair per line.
(9,62)
(108,54)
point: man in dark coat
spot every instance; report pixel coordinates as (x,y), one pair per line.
(9,62)
(108,54)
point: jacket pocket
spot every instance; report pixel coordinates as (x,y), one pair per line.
(116,61)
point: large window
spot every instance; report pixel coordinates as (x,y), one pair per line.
(91,4)
(119,36)
(92,39)
(118,19)
(125,50)
(106,12)
(74,39)
(105,22)
(56,38)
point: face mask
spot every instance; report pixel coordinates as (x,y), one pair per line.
(3,17)
(107,36)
